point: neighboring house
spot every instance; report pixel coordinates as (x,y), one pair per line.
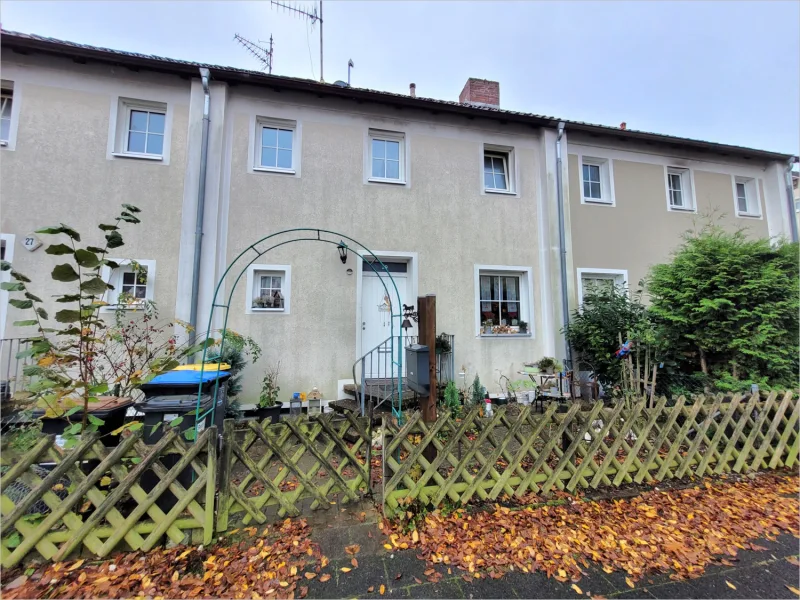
(460,199)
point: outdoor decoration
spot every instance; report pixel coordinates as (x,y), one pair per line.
(342,247)
(314,402)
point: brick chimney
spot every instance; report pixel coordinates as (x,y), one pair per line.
(481,92)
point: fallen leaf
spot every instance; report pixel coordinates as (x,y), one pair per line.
(310,575)
(398,576)
(371,589)
(417,579)
(629,582)
(283,583)
(175,576)
(577,589)
(354,562)
(793,560)
(382,589)
(730,585)
(387,546)
(793,589)
(354,549)
(325,577)
(345,569)
(293,570)
(76,565)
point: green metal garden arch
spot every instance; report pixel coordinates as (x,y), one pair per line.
(305,234)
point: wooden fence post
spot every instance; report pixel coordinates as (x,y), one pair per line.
(427,337)
(225,468)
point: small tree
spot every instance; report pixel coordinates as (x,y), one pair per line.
(729,306)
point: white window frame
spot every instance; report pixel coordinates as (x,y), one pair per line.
(11,90)
(619,276)
(389,136)
(114,277)
(606,180)
(254,272)
(121,116)
(271,123)
(752,196)
(526,308)
(687,189)
(507,154)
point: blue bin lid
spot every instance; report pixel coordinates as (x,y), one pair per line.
(188,377)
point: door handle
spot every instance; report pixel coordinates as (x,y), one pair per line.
(363,325)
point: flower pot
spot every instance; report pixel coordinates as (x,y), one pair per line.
(273,413)
(500,401)
(549,370)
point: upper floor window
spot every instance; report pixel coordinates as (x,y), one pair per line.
(6,100)
(747,203)
(679,189)
(596,185)
(142,130)
(495,172)
(387,157)
(275,146)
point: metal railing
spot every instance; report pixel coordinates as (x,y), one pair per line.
(375,373)
(12,378)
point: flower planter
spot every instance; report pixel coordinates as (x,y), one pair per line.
(111,409)
(271,412)
(500,401)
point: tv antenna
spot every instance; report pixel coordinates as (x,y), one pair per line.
(313,17)
(263,55)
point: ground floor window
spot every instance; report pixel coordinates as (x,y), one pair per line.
(503,299)
(600,280)
(133,282)
(268,288)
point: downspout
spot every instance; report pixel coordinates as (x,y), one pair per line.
(201,204)
(790,198)
(562,241)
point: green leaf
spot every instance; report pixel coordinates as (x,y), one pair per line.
(70,232)
(155,427)
(101,388)
(19,277)
(131,208)
(94,286)
(114,240)
(73,429)
(176,421)
(58,249)
(41,312)
(70,442)
(95,420)
(13,540)
(68,316)
(28,323)
(21,304)
(105,227)
(68,298)
(136,426)
(136,460)
(52,230)
(32,370)
(5,265)
(129,218)
(96,250)
(30,296)
(111,264)
(86,259)
(12,287)
(72,411)
(24,353)
(190,434)
(64,273)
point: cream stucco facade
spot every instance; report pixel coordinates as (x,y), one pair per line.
(438,223)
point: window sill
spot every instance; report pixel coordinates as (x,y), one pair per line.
(139,156)
(502,192)
(505,335)
(133,306)
(271,170)
(392,181)
(681,210)
(3,143)
(267,310)
(597,201)
(748,215)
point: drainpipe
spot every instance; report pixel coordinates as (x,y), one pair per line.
(201,204)
(562,242)
(790,198)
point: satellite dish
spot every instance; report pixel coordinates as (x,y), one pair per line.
(340,83)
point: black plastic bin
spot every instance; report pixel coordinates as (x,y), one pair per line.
(163,410)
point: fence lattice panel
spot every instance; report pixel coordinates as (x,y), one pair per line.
(295,464)
(476,458)
(55,501)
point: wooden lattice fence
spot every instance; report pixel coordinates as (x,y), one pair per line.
(480,458)
(291,466)
(55,501)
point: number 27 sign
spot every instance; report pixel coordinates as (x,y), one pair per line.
(31,242)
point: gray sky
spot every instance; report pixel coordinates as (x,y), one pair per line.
(721,71)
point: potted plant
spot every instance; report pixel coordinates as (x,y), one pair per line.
(523,326)
(548,364)
(487,326)
(443,344)
(531,367)
(269,407)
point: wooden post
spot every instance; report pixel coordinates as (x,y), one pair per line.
(427,337)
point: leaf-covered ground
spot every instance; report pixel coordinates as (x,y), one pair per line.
(676,531)
(278,562)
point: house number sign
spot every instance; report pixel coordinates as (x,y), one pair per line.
(31,242)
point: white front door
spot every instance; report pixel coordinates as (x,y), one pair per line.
(376,315)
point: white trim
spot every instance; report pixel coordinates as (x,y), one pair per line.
(114,278)
(687,181)
(753,194)
(5,276)
(412,287)
(509,155)
(260,122)
(394,136)
(16,100)
(286,289)
(527,307)
(607,197)
(612,273)
(121,107)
